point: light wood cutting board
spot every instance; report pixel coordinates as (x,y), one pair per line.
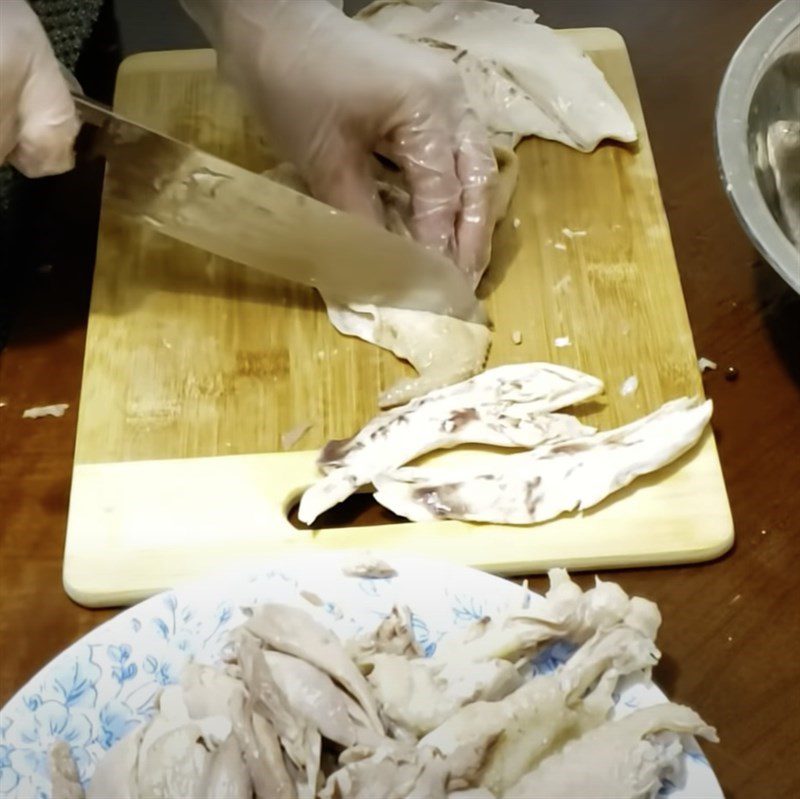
(196,366)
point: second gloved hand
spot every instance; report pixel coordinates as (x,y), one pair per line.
(331,92)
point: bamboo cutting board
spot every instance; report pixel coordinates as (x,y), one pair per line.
(195,367)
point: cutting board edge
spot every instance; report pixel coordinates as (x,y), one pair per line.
(97,546)
(93,593)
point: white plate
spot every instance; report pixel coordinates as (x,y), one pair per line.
(103,686)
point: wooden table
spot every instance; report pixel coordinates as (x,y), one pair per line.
(731,633)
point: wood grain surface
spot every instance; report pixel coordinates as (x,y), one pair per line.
(731,633)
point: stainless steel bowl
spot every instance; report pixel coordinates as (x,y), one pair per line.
(758,137)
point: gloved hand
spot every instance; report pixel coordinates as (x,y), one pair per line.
(331,92)
(38,123)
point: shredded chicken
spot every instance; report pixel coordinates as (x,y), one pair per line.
(64,773)
(617,760)
(291,716)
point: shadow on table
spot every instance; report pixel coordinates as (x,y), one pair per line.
(780,310)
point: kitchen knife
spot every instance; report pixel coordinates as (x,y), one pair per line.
(242,216)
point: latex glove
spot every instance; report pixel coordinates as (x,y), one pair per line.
(38,123)
(332,92)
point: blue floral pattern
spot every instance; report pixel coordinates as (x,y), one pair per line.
(105,685)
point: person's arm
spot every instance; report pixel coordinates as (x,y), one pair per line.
(331,92)
(38,123)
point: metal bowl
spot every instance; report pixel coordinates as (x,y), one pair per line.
(758,137)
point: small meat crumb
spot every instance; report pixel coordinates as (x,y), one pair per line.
(45,410)
(516,337)
(370,567)
(703,364)
(629,385)
(291,437)
(562,341)
(563,284)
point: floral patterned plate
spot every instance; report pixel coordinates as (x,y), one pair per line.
(104,685)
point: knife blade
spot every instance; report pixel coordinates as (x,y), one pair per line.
(204,201)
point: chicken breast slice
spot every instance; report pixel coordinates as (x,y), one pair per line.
(539,485)
(227,776)
(508,406)
(64,779)
(522,78)
(617,760)
(544,712)
(293,631)
(312,694)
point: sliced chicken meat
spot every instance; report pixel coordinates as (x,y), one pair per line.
(290,716)
(522,77)
(617,760)
(294,632)
(64,776)
(552,479)
(547,710)
(508,406)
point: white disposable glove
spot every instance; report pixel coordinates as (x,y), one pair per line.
(332,91)
(38,123)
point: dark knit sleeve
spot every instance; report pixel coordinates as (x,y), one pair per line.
(68,24)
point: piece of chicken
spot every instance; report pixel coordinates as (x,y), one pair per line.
(552,479)
(227,776)
(508,406)
(407,772)
(549,709)
(393,636)
(522,78)
(567,612)
(289,630)
(174,764)
(115,775)
(617,760)
(313,695)
(262,752)
(299,737)
(64,777)
(419,695)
